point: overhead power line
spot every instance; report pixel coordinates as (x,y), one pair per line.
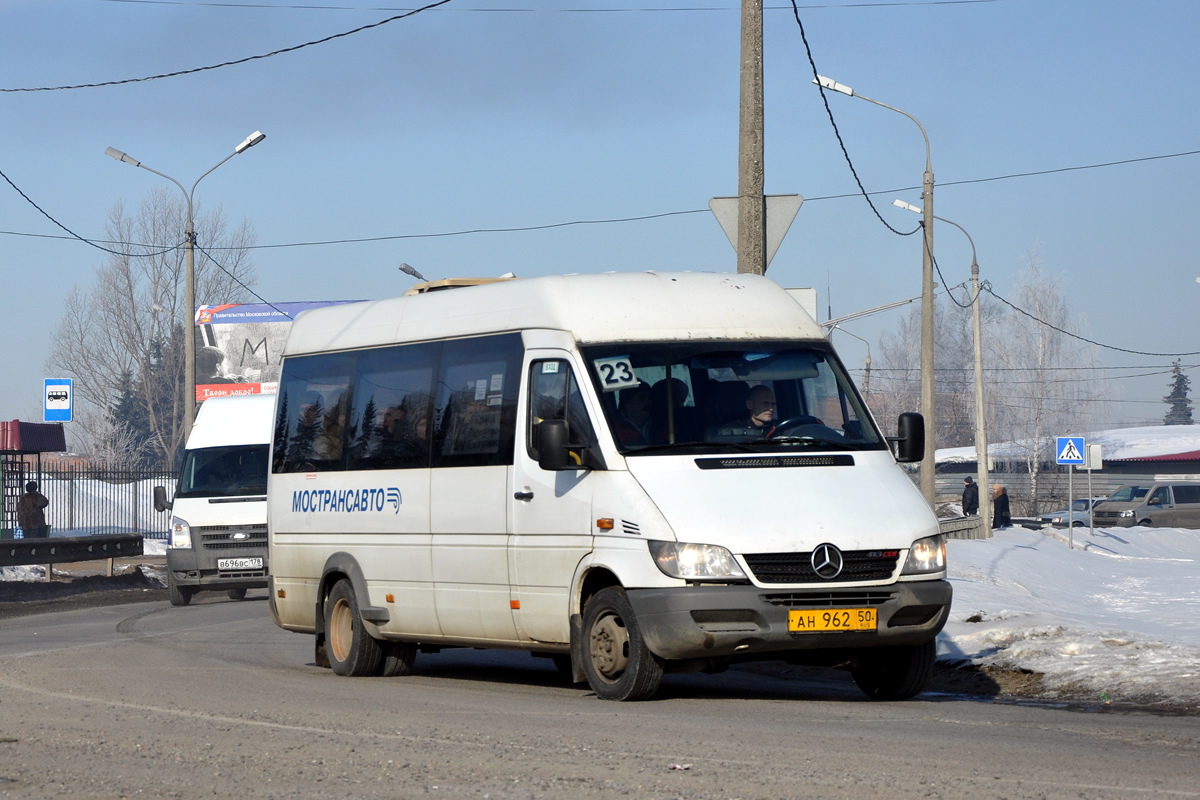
(194,70)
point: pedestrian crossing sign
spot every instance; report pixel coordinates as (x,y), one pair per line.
(1070,450)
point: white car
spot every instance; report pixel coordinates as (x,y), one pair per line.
(1079,516)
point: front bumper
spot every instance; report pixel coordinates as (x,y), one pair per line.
(718,621)
(200,571)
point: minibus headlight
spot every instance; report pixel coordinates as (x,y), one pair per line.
(695,562)
(1127,513)
(180,535)
(926,555)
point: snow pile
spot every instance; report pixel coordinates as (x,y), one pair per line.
(1114,618)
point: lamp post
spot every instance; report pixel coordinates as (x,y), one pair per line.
(867,371)
(981,442)
(189,361)
(927,384)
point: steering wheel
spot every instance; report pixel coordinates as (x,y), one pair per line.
(796,426)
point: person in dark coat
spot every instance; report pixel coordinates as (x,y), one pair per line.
(970,499)
(1000,513)
(31,512)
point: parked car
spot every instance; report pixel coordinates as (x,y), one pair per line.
(1078,515)
(1163,505)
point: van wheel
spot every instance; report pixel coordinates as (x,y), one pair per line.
(1078,524)
(236,594)
(351,649)
(894,673)
(617,662)
(180,595)
(1146,523)
(398,658)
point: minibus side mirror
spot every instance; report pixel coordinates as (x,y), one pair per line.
(556,453)
(909,438)
(161,503)
(552,438)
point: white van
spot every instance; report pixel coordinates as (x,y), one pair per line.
(218,535)
(631,474)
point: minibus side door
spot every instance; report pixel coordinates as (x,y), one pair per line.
(551,517)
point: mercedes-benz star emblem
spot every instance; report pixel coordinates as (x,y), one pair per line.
(827,561)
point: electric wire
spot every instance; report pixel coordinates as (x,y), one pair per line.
(236,280)
(829,111)
(235,62)
(75,235)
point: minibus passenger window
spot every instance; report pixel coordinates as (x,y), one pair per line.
(476,409)
(310,427)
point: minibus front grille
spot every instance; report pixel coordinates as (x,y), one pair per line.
(857,565)
(232,537)
(828,599)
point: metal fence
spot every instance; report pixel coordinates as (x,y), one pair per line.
(88,500)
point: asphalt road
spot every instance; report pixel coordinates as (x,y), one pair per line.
(212,700)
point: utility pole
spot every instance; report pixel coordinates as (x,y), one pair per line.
(752,214)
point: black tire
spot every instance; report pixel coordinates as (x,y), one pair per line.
(352,651)
(398,659)
(236,594)
(1146,523)
(180,595)
(1078,524)
(894,673)
(616,660)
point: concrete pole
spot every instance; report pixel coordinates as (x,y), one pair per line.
(752,214)
(927,383)
(981,440)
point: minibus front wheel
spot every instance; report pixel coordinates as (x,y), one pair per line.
(617,663)
(894,673)
(352,651)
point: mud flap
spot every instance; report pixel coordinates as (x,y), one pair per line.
(577,652)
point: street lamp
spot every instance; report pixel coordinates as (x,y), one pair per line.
(981,445)
(407,270)
(927,395)
(189,362)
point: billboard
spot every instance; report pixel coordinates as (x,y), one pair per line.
(239,346)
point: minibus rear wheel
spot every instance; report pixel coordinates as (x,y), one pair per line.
(616,661)
(352,651)
(236,594)
(894,673)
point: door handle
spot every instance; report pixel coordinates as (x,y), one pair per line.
(527,495)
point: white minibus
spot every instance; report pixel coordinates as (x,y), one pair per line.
(218,535)
(633,474)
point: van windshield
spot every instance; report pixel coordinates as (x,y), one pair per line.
(1128,493)
(728,397)
(232,471)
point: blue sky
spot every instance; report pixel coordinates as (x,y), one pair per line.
(473,116)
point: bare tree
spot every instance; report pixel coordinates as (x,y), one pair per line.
(1045,387)
(131,320)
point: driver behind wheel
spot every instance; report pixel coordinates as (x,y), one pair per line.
(761,422)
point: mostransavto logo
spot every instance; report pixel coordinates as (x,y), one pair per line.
(346,501)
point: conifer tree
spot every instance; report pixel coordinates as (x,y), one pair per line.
(1180,404)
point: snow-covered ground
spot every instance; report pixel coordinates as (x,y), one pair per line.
(1117,617)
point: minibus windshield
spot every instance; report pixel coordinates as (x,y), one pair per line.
(725,396)
(232,471)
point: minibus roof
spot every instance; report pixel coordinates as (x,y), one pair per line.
(596,308)
(228,421)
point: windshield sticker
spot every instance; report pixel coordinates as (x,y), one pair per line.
(549,367)
(616,373)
